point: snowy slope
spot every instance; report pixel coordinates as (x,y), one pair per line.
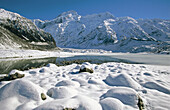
(10,40)
(104,31)
(24,30)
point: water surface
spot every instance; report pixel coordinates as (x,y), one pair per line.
(6,65)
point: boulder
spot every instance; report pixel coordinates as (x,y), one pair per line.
(86,68)
(12,77)
(43,97)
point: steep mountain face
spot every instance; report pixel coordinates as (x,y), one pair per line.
(22,32)
(9,40)
(105,31)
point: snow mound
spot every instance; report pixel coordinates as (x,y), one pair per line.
(85,65)
(68,83)
(95,81)
(9,103)
(78,102)
(51,65)
(126,95)
(45,70)
(61,92)
(86,103)
(50,106)
(111,104)
(159,87)
(22,89)
(15,71)
(81,81)
(122,80)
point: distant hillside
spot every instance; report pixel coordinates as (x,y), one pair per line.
(19,32)
(104,31)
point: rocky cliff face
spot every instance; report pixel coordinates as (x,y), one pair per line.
(105,31)
(19,30)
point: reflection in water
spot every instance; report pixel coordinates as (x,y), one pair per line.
(91,59)
(23,64)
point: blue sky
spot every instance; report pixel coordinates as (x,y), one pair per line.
(49,9)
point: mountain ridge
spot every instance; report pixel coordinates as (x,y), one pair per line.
(105,31)
(25,30)
(96,31)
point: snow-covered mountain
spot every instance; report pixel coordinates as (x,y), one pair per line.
(19,32)
(105,31)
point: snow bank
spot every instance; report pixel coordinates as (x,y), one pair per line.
(111,104)
(95,81)
(156,86)
(68,83)
(122,80)
(18,92)
(124,94)
(85,65)
(22,89)
(16,71)
(80,81)
(78,102)
(61,92)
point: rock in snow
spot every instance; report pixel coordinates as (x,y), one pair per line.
(86,68)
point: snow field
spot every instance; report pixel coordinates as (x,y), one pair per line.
(112,86)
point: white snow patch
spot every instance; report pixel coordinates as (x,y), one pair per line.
(61,92)
(122,80)
(111,104)
(124,94)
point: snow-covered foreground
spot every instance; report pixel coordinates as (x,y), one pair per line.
(112,86)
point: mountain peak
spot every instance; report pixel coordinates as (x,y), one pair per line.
(4,14)
(66,16)
(105,15)
(128,19)
(69,13)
